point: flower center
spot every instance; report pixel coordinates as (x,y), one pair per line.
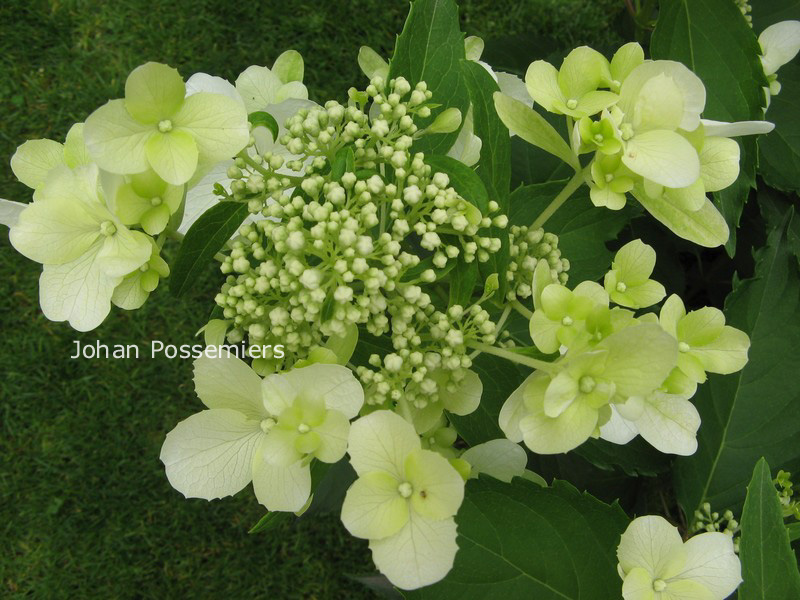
(404,489)
(267,424)
(572,104)
(599,138)
(566,321)
(165,126)
(659,585)
(303,428)
(683,347)
(626,130)
(107,228)
(621,287)
(587,384)
(155,200)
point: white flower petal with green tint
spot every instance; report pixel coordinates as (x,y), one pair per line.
(671,313)
(217,123)
(10,212)
(258,86)
(687,589)
(689,198)
(467,147)
(562,391)
(724,129)
(77,292)
(123,252)
(153,92)
(420,554)
(726,354)
(514,410)
(638,585)
(75,152)
(625,60)
(617,429)
(437,488)
(115,140)
(501,459)
(541,80)
(654,545)
(284,489)
(583,70)
(705,227)
(371,63)
(635,262)
(644,295)
(779,43)
(639,358)
(381,441)
(34,159)
(513,87)
(466,398)
(172,155)
(544,332)
(545,435)
(712,562)
(592,103)
(335,384)
(473,47)
(210,454)
(665,157)
(373,508)
(719,163)
(289,66)
(129,294)
(669,424)
(202,82)
(659,106)
(334,431)
(701,326)
(279,448)
(293,89)
(229,382)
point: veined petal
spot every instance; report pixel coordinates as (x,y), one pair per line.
(719,163)
(217,123)
(617,429)
(689,198)
(202,82)
(34,159)
(544,332)
(210,454)
(642,295)
(115,140)
(625,60)
(373,508)
(593,102)
(229,382)
(201,197)
(562,391)
(541,80)
(638,585)
(705,227)
(654,545)
(293,89)
(723,129)
(780,43)
(437,488)
(371,63)
(513,86)
(130,206)
(420,554)
(259,87)
(727,353)
(664,157)
(75,152)
(153,91)
(289,66)
(129,294)
(467,147)
(639,359)
(173,156)
(501,459)
(635,262)
(123,252)
(545,435)
(583,70)
(659,105)
(669,424)
(333,431)
(514,410)
(281,488)
(671,313)
(701,326)
(381,441)
(279,448)
(10,212)
(334,384)
(687,589)
(466,398)
(711,561)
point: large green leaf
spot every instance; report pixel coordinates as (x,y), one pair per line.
(520,541)
(769,568)
(768,12)
(637,457)
(712,38)
(779,150)
(752,413)
(463,179)
(203,240)
(462,283)
(429,49)
(494,167)
(582,228)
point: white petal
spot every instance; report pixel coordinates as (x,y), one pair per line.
(34,159)
(334,383)
(780,43)
(502,459)
(514,410)
(723,129)
(512,85)
(653,544)
(201,196)
(259,87)
(665,157)
(229,382)
(711,561)
(381,441)
(719,163)
(217,123)
(466,398)
(281,488)
(9,212)
(618,430)
(669,423)
(210,454)
(373,507)
(420,554)
(201,82)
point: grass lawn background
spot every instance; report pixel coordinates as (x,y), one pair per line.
(85,508)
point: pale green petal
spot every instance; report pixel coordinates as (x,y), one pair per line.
(501,459)
(217,123)
(130,295)
(278,393)
(123,252)
(545,435)
(466,398)
(669,424)
(130,206)
(513,87)
(333,431)
(77,292)
(641,296)
(701,326)
(373,508)
(544,332)
(711,561)
(201,196)
(424,419)
(638,585)
(335,384)
(542,277)
(467,147)
(593,291)
(671,313)
(686,589)
(665,157)
(705,227)
(691,366)
(155,220)
(514,410)
(473,47)
(289,66)
(229,382)
(582,71)
(779,43)
(659,106)
(371,63)
(281,488)
(724,129)
(652,544)
(592,103)
(115,141)
(381,441)
(606,197)
(635,262)
(279,447)
(153,91)
(625,60)
(541,79)
(688,199)
(10,212)
(420,554)
(437,488)
(210,454)
(34,159)
(173,156)
(202,82)
(259,87)
(293,89)
(562,391)
(639,358)
(555,300)
(617,429)
(725,354)
(719,163)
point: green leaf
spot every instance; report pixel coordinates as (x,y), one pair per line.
(269,521)
(769,567)
(769,12)
(581,227)
(793,529)
(712,38)
(264,119)
(203,240)
(779,150)
(462,283)
(637,457)
(425,264)
(463,179)
(343,162)
(494,167)
(533,128)
(521,541)
(429,49)
(500,378)
(752,413)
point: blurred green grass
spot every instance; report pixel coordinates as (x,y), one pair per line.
(85,509)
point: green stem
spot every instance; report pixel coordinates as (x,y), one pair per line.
(521,309)
(572,185)
(513,356)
